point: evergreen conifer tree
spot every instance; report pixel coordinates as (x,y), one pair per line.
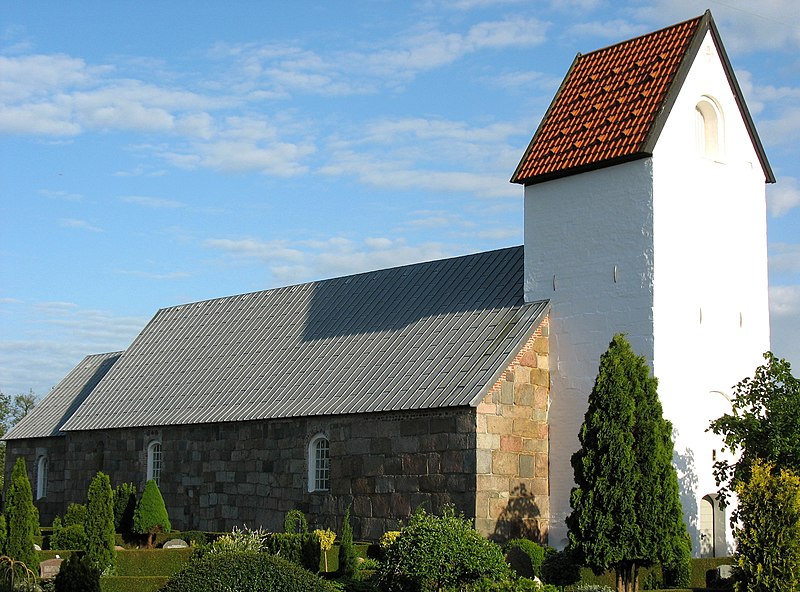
(100,524)
(626,506)
(124,507)
(347,551)
(151,515)
(20,517)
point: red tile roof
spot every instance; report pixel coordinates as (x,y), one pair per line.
(608,103)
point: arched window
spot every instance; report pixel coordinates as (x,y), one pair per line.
(41,477)
(154,461)
(712,528)
(708,128)
(319,463)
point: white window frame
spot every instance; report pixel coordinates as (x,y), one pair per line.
(41,476)
(319,463)
(154,461)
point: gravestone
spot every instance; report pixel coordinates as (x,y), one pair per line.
(176,544)
(50,567)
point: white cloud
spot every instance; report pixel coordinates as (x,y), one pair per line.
(61,195)
(783,196)
(745,26)
(614,29)
(152,202)
(79,224)
(336,256)
(784,258)
(54,338)
(784,304)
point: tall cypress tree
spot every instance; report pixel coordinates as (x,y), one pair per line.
(20,518)
(626,506)
(100,524)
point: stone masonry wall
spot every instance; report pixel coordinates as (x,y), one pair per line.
(512,497)
(215,476)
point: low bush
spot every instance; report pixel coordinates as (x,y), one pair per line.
(525,557)
(560,569)
(78,574)
(194,538)
(302,549)
(254,572)
(240,540)
(72,536)
(434,552)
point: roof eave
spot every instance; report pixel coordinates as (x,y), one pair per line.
(516,178)
(593,166)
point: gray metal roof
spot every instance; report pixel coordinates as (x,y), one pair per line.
(427,335)
(47,418)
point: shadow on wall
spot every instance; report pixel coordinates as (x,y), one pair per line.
(521,518)
(687,483)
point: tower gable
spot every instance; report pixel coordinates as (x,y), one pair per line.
(613,103)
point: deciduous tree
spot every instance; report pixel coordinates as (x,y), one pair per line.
(764,424)
(768,535)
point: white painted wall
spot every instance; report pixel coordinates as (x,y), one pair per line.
(710,243)
(686,233)
(578,229)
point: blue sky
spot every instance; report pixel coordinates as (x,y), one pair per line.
(155,153)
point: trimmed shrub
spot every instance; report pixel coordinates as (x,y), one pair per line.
(151,515)
(152,562)
(99,524)
(525,557)
(302,549)
(78,574)
(513,585)
(124,507)
(194,538)
(132,584)
(75,514)
(295,522)
(434,552)
(254,572)
(71,537)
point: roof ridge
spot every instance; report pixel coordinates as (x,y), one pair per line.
(644,35)
(335,278)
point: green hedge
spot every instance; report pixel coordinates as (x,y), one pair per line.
(132,584)
(699,569)
(152,562)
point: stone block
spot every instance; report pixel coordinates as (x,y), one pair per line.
(453,461)
(542,465)
(362,506)
(510,443)
(541,345)
(534,445)
(487,441)
(543,361)
(380,445)
(496,424)
(362,485)
(432,483)
(505,463)
(540,377)
(403,444)
(507,392)
(529,359)
(458,483)
(523,394)
(414,464)
(446,425)
(491,483)
(415,426)
(406,484)
(465,422)
(484,461)
(400,505)
(384,484)
(527,466)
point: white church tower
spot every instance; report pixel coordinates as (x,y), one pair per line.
(645,214)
